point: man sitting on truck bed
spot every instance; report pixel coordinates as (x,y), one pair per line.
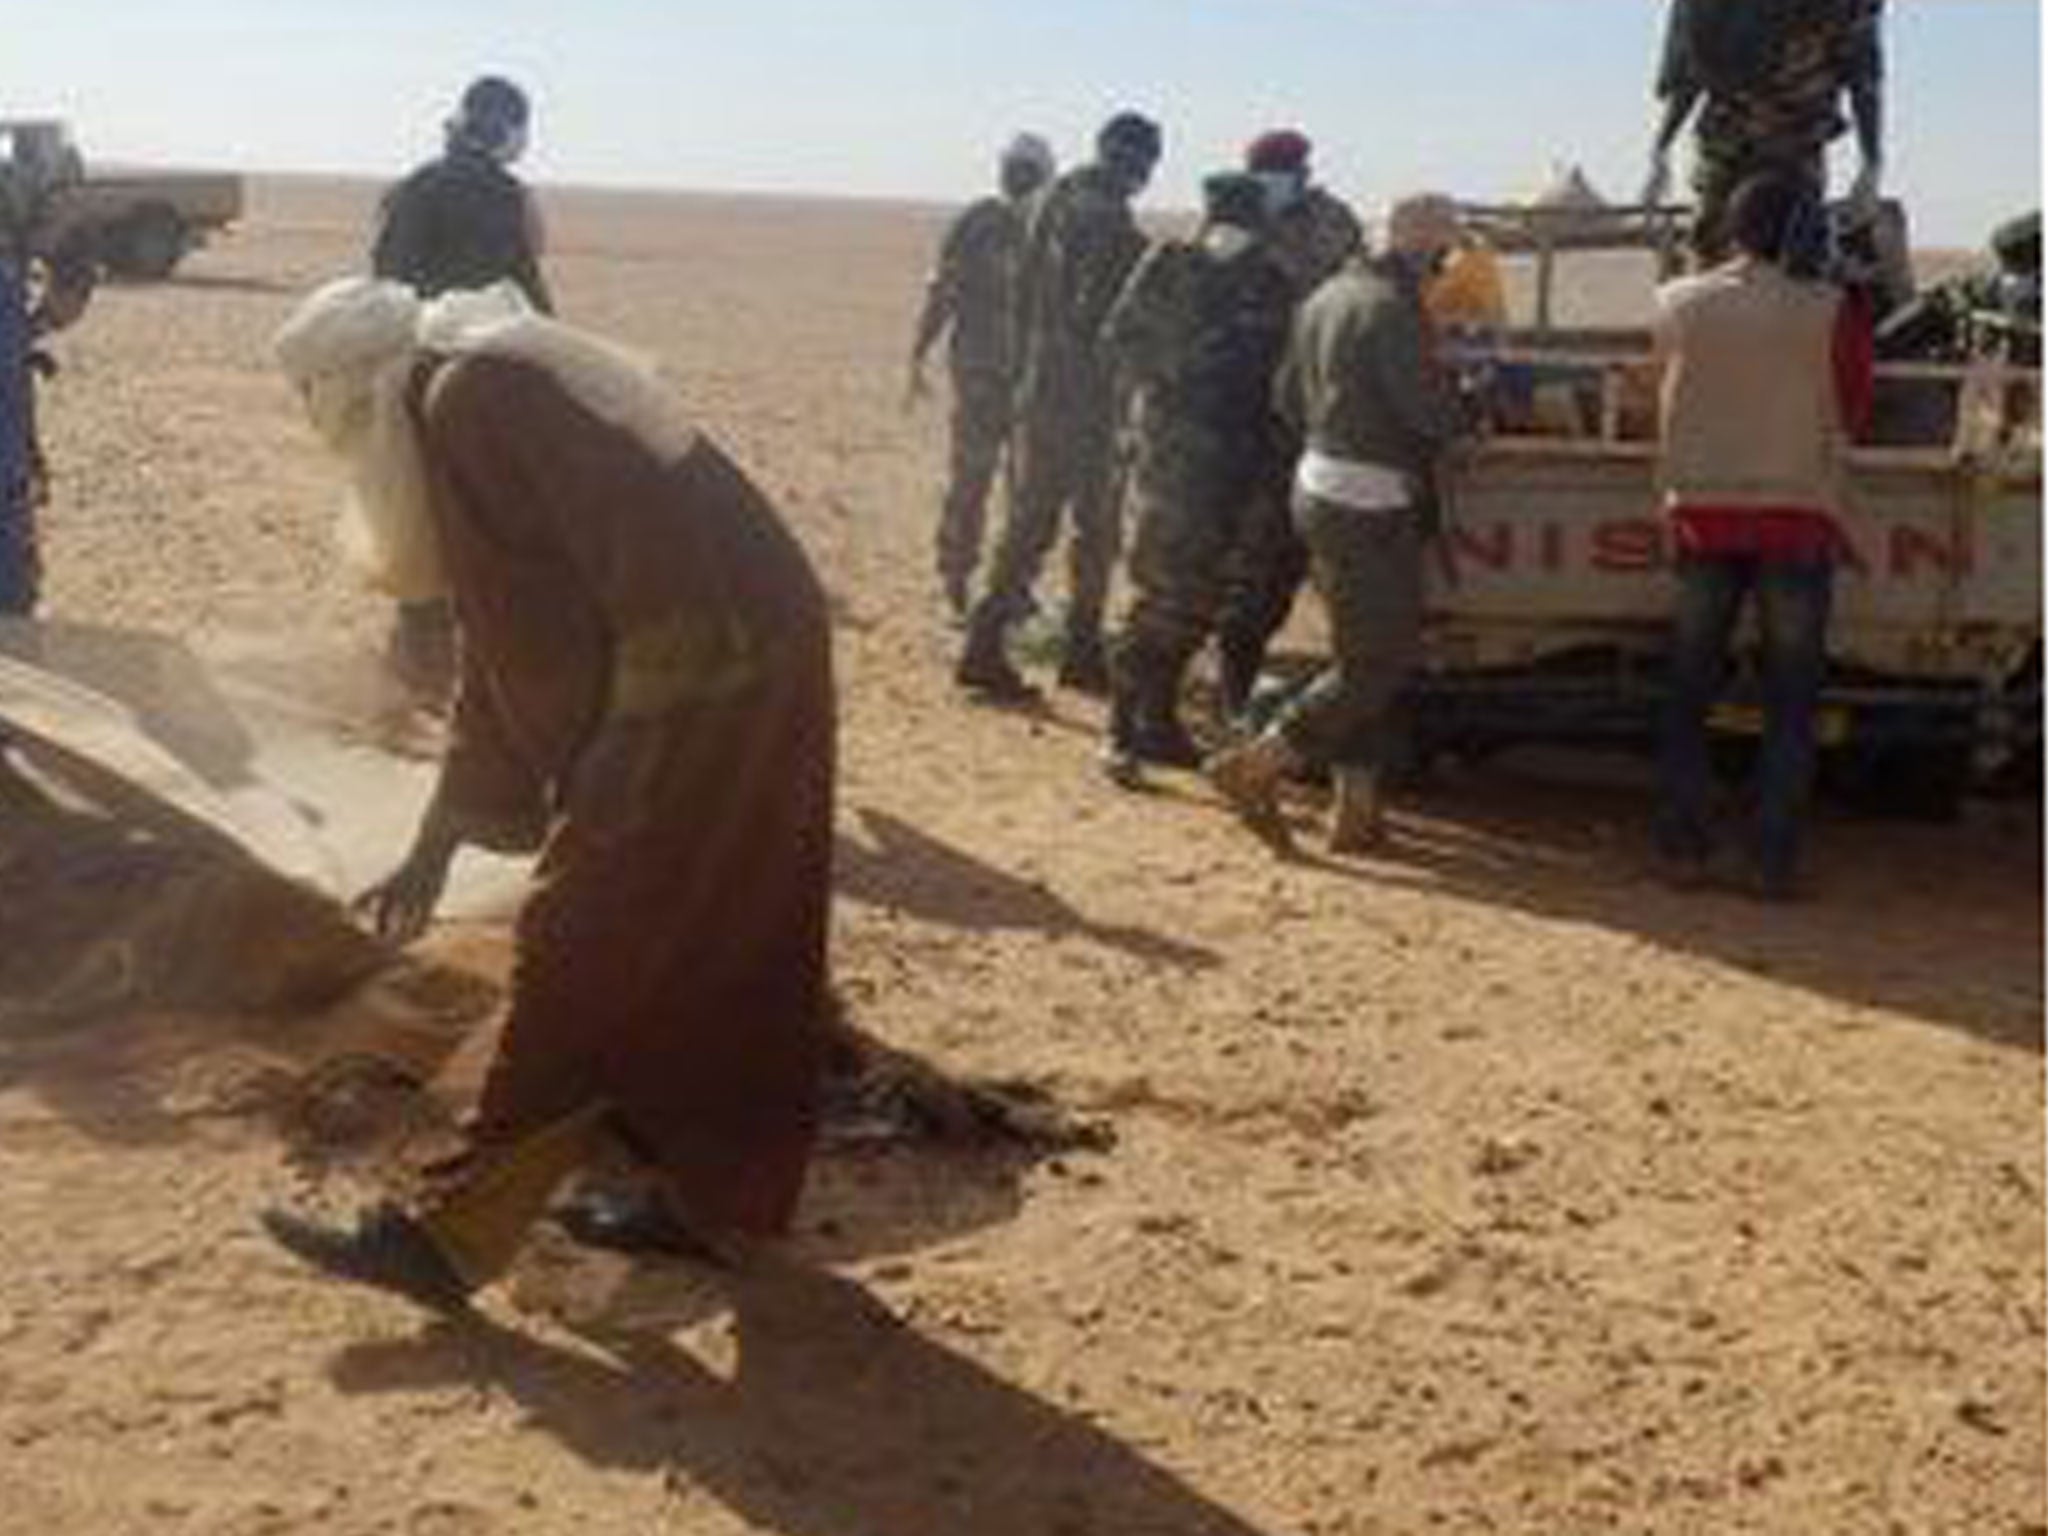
(1765,375)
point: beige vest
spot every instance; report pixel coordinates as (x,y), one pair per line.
(1750,412)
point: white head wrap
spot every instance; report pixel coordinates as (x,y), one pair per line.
(350,348)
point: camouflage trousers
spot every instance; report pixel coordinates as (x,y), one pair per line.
(981,421)
(1268,564)
(1188,516)
(1065,459)
(1721,163)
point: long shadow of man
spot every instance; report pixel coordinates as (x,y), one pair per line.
(910,871)
(838,1420)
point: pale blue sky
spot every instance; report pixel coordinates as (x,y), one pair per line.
(909,97)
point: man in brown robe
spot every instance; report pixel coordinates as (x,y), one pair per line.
(645,697)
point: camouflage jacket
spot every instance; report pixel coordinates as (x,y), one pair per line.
(1772,71)
(972,288)
(1079,247)
(1198,336)
(1311,239)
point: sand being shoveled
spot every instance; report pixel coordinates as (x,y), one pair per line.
(1487,1186)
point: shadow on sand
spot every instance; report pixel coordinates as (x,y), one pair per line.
(837,1419)
(907,870)
(1943,923)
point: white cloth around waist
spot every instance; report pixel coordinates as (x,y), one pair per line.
(1356,483)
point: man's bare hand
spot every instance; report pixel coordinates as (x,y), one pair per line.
(399,907)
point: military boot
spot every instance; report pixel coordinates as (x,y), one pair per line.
(985,666)
(1359,823)
(1158,736)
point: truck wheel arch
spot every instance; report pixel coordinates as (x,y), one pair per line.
(148,242)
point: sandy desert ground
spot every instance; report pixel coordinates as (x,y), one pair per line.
(1487,1186)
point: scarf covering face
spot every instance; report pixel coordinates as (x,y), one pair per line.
(350,349)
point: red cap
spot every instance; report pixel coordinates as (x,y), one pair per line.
(1284,149)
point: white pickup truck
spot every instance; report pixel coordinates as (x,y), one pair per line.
(1551,597)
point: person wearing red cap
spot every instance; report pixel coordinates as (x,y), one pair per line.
(1313,229)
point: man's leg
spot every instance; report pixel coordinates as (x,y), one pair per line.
(1030,523)
(981,412)
(1267,568)
(1709,597)
(1176,556)
(1793,602)
(1097,540)
(1367,567)
(20,566)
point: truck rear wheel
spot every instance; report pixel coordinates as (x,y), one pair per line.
(149,244)
(1918,781)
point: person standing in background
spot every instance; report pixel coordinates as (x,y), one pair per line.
(972,298)
(460,221)
(1080,247)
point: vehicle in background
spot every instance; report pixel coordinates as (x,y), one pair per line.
(141,223)
(1550,598)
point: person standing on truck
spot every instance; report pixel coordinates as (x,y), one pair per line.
(1362,384)
(462,220)
(971,295)
(1765,376)
(1079,247)
(1197,332)
(1767,78)
(1310,232)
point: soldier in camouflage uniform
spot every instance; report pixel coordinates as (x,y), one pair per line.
(970,294)
(1310,232)
(1198,332)
(1079,247)
(1771,74)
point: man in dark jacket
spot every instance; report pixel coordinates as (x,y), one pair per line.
(1362,384)
(462,220)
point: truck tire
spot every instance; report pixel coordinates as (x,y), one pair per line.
(1919,781)
(149,244)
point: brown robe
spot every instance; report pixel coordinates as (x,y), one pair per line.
(671,962)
